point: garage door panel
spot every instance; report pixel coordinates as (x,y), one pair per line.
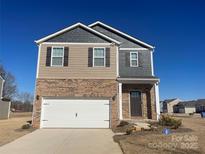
(61,113)
(81,124)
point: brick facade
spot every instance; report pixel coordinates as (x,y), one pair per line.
(95,88)
(147,97)
(84,88)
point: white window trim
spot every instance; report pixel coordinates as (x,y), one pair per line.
(56,56)
(99,57)
(134,59)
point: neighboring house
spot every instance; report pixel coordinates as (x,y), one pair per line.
(200,105)
(168,105)
(1,86)
(161,106)
(93,77)
(4,105)
(185,107)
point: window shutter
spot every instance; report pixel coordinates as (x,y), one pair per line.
(48,56)
(66,56)
(140,59)
(107,57)
(90,57)
(127,59)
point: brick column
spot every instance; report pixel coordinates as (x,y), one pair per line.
(153,103)
(144,105)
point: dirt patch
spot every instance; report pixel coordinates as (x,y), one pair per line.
(20,114)
(10,129)
(190,138)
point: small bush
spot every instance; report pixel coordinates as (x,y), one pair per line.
(166,120)
(26,126)
(130,130)
(29,122)
(123,123)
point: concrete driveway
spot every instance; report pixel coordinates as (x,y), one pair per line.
(64,141)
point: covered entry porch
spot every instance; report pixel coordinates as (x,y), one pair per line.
(138,98)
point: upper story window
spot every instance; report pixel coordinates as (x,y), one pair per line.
(134,59)
(99,57)
(57,55)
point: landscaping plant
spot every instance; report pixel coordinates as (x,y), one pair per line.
(123,123)
(26,126)
(166,120)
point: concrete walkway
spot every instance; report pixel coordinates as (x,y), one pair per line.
(64,141)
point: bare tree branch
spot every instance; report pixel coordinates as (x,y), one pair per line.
(25,97)
(10,86)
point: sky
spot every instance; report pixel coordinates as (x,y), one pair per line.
(176,28)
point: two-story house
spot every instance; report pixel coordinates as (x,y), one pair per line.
(93,77)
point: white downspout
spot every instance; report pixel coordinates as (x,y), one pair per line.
(120,100)
(152,64)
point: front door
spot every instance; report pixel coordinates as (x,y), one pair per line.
(135,103)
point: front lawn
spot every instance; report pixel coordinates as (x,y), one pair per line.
(10,129)
(189,138)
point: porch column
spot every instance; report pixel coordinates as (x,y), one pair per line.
(120,100)
(157,100)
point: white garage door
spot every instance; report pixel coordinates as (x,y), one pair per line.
(64,113)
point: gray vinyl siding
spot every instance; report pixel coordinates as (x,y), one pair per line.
(125,42)
(78,35)
(144,69)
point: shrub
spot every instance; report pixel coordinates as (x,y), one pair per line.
(166,120)
(123,123)
(26,126)
(29,122)
(191,114)
(130,130)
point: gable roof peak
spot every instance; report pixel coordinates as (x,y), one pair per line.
(122,33)
(73,26)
